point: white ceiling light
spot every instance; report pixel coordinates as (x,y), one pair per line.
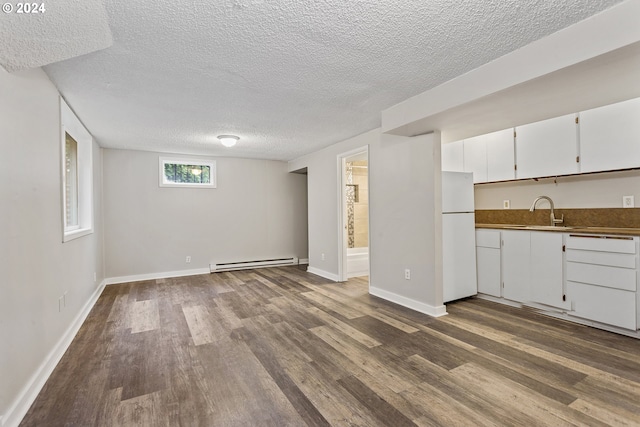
(228,140)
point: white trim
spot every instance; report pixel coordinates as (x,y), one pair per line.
(28,394)
(408,302)
(303,261)
(322,273)
(342,218)
(151,276)
(342,208)
(74,234)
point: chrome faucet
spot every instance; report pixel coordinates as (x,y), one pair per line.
(554,221)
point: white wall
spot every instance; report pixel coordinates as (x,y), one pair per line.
(323,201)
(37,268)
(257,210)
(405,220)
(603,190)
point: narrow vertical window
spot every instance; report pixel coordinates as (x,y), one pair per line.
(76,183)
(71,182)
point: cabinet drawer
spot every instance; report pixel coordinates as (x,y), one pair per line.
(610,306)
(612,259)
(625,245)
(600,275)
(488,239)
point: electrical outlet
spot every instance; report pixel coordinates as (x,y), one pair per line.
(188,260)
(60,304)
(506,204)
(64,299)
(407,274)
(323,257)
(627,202)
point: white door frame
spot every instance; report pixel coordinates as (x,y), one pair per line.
(342,209)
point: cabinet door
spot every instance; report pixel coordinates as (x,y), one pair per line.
(453,156)
(489,278)
(547,148)
(610,137)
(546,270)
(475,158)
(500,155)
(516,265)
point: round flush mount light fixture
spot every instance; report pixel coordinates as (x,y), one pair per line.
(228,140)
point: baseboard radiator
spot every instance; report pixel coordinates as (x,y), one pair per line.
(244,265)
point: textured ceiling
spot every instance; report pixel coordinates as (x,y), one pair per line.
(287,76)
(59,30)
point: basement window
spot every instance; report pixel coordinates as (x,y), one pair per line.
(77,176)
(180,172)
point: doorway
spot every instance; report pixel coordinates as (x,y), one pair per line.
(354,202)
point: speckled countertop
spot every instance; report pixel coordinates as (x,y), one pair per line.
(614,221)
(560,229)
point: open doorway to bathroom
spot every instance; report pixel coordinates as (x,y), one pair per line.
(355,214)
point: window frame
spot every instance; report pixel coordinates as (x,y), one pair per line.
(71,125)
(162,182)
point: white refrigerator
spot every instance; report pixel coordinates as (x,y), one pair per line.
(458,236)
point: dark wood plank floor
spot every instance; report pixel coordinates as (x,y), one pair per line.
(281,347)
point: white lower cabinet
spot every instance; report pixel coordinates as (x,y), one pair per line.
(488,262)
(588,277)
(610,306)
(516,265)
(546,269)
(531,266)
(602,277)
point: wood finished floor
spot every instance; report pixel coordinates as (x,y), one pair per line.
(281,347)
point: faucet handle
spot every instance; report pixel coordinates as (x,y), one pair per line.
(558,221)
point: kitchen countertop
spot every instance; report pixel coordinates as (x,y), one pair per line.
(564,229)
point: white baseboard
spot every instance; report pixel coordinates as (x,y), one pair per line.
(303,260)
(152,276)
(421,307)
(323,273)
(28,394)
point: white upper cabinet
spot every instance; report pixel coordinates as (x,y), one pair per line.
(610,137)
(500,155)
(475,158)
(490,157)
(547,148)
(453,156)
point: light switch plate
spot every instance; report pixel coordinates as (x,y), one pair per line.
(627,202)
(506,204)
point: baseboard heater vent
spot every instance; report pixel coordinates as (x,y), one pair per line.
(244,265)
